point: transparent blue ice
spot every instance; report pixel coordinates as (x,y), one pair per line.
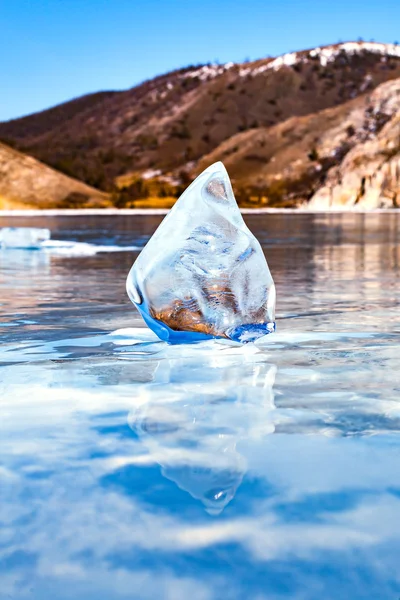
(203,274)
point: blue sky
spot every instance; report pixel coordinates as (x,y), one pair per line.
(54,50)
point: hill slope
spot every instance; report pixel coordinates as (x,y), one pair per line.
(341,156)
(27,183)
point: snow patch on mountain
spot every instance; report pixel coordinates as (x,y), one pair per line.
(330,53)
(325,55)
(207,72)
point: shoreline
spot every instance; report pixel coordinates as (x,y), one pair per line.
(163,211)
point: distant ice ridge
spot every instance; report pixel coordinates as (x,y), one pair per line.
(23,237)
(32,238)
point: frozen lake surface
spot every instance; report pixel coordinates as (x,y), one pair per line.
(130,469)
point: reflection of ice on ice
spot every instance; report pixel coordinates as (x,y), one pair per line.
(67,248)
(196,410)
(30,263)
(23,237)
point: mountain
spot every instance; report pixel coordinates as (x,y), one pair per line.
(368,174)
(343,156)
(27,183)
(284,127)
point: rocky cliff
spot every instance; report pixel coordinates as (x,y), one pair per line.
(368,176)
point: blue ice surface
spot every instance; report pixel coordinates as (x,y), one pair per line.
(134,468)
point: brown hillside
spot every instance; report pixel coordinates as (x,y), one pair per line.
(343,156)
(27,183)
(39,123)
(268,165)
